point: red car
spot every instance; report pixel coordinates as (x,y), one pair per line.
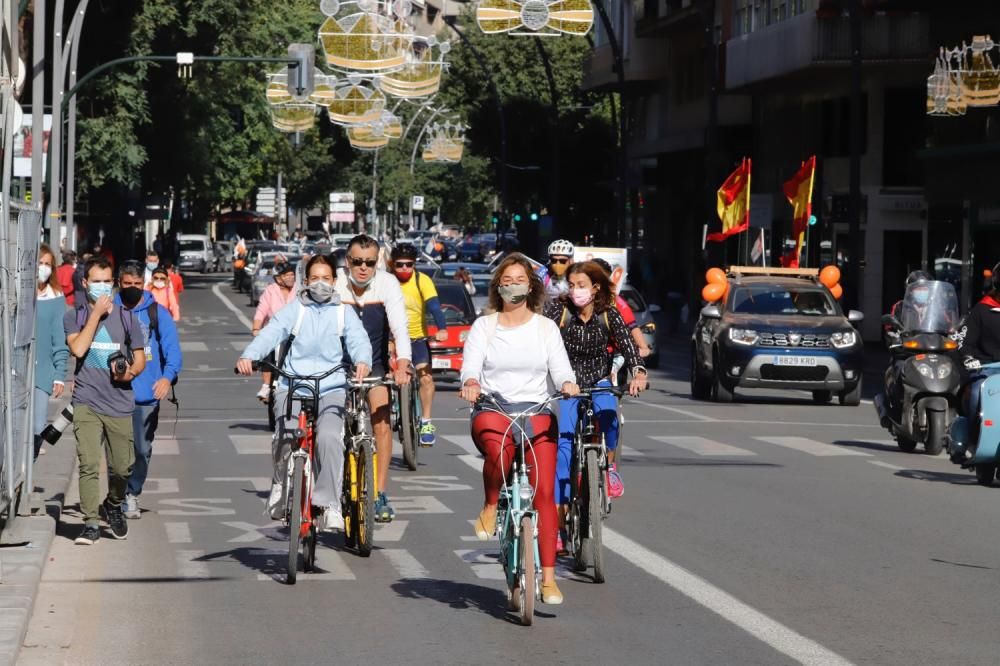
(446,357)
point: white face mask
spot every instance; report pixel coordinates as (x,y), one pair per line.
(44,273)
(159,284)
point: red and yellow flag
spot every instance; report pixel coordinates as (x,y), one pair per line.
(799,192)
(734,203)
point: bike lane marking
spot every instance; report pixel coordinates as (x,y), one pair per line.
(189,566)
(702,446)
(762,627)
(812,447)
(178,532)
(251,444)
(229,304)
(405,564)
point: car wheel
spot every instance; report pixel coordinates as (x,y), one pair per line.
(720,392)
(851,398)
(701,386)
(822,397)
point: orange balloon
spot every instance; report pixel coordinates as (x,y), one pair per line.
(837,291)
(713,291)
(829,276)
(715,276)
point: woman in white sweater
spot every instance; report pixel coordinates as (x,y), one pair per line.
(517,356)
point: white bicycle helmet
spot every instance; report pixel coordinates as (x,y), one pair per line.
(561,247)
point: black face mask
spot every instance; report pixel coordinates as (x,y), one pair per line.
(131,296)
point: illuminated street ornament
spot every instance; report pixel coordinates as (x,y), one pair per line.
(421,75)
(536,17)
(294,117)
(355,104)
(964,77)
(277,88)
(364,41)
(324,90)
(446,143)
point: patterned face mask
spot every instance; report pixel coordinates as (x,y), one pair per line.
(514,293)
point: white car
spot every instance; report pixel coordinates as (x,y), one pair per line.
(196,252)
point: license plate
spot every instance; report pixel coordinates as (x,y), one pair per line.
(441,364)
(807,361)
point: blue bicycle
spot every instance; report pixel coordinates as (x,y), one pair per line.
(517,520)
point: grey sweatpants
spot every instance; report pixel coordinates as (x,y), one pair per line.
(328,461)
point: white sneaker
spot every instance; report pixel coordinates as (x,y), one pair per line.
(264,394)
(332,519)
(131,507)
(275,503)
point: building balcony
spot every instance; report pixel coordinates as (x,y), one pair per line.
(645,62)
(807,41)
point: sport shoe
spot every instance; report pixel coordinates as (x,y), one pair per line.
(561,543)
(486,523)
(264,394)
(551,594)
(88,535)
(116,519)
(615,486)
(275,503)
(383,511)
(131,507)
(331,519)
(427,433)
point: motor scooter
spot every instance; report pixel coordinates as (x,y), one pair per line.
(920,392)
(983,428)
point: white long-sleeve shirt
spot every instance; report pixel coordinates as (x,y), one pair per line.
(382,311)
(522,364)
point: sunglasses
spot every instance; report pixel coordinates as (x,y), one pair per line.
(558,261)
(404,264)
(370,263)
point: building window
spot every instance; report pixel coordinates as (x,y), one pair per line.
(835,123)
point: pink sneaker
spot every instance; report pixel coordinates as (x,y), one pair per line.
(615,486)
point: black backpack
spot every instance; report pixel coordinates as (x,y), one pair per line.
(154,329)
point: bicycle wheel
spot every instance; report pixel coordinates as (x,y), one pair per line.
(576,518)
(309,551)
(408,434)
(526,575)
(295,524)
(365,505)
(347,502)
(595,521)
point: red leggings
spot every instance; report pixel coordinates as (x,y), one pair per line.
(488,429)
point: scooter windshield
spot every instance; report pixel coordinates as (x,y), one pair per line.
(929,307)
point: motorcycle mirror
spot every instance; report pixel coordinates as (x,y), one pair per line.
(890,320)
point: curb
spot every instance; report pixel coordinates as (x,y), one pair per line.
(22,563)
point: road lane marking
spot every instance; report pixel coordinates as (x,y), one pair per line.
(676,410)
(251,444)
(259,483)
(229,304)
(193,346)
(430,484)
(386,532)
(473,537)
(463,442)
(812,447)
(251,533)
(760,626)
(483,562)
(161,486)
(703,446)
(188,566)
(886,465)
(405,564)
(196,507)
(418,504)
(475,462)
(239,345)
(166,446)
(178,532)
(629,452)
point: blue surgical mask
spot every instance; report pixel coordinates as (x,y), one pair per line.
(151,266)
(920,297)
(98,289)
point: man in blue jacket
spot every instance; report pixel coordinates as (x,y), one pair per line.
(163,365)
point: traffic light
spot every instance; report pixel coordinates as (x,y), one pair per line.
(534,216)
(812,220)
(496,218)
(517,217)
(302,74)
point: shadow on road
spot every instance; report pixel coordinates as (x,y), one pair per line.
(861,444)
(460,596)
(259,427)
(648,461)
(966,479)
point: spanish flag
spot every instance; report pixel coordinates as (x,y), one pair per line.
(734,203)
(799,192)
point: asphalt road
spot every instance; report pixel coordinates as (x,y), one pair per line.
(768,531)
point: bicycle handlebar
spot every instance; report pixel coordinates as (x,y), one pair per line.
(615,390)
(267,365)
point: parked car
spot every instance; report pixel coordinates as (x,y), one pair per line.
(459,313)
(195,252)
(776,331)
(644,319)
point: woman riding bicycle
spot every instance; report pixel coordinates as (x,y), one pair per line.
(591,326)
(315,316)
(515,355)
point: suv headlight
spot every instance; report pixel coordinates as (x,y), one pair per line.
(843,339)
(743,336)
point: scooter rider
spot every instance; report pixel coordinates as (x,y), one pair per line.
(892,337)
(980,346)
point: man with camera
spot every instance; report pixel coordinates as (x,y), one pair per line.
(103,337)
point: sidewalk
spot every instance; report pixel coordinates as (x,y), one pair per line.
(25,545)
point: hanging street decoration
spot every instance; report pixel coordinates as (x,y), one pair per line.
(965,76)
(535,17)
(446,142)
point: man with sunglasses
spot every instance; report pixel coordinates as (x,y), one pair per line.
(420,297)
(378,300)
(560,257)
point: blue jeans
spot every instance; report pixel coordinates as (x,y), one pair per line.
(606,408)
(145,419)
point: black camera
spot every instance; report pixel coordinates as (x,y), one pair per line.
(118,364)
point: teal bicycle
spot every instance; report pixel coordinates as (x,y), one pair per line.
(517,520)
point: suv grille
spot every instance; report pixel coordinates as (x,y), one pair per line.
(808,341)
(782,373)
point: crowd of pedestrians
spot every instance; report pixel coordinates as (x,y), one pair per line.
(118,325)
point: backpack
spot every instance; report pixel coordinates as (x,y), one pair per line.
(602,321)
(287,344)
(154,328)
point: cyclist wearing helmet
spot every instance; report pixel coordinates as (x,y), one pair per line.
(420,297)
(560,257)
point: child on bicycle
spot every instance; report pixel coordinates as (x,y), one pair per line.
(319,327)
(515,355)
